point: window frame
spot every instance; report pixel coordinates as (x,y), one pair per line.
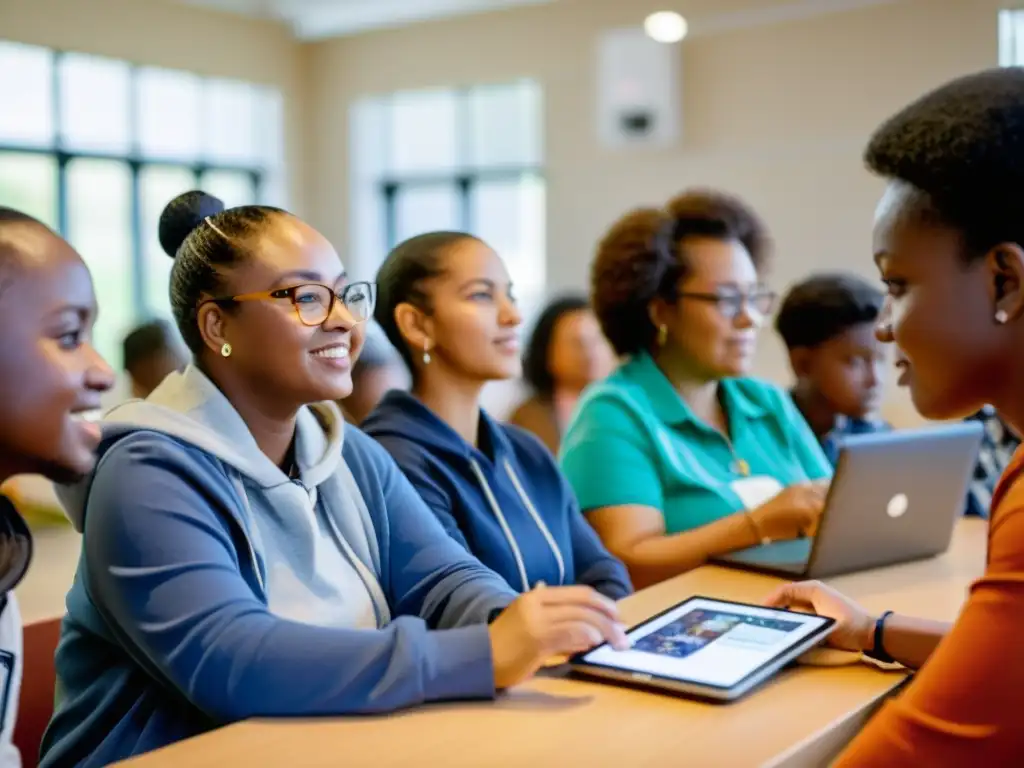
(465,176)
(135,160)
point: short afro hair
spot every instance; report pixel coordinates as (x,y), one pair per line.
(962,146)
(146,342)
(640,259)
(10,259)
(13,216)
(824,306)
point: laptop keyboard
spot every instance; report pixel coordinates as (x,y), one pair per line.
(793,553)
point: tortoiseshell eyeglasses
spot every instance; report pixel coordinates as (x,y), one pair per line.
(314,302)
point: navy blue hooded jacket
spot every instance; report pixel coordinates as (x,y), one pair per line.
(505,501)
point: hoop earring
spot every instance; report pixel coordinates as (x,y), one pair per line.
(225,350)
(662,335)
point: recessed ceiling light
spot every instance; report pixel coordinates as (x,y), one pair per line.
(665,27)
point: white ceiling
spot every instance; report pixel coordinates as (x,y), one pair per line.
(312,19)
(317,19)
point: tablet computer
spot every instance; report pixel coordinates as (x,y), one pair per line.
(711,649)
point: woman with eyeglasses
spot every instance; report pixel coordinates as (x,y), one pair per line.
(447,304)
(245,553)
(679,456)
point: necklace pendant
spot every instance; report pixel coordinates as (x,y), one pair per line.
(742,468)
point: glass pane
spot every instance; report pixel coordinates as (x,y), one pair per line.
(423,132)
(28,183)
(26,93)
(368,145)
(367,241)
(94,103)
(274,190)
(1006,30)
(100,227)
(167,112)
(367,152)
(229,123)
(505,125)
(425,209)
(1011,35)
(269,123)
(1017,55)
(232,187)
(159,184)
(509,216)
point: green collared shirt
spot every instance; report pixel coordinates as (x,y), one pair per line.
(633,440)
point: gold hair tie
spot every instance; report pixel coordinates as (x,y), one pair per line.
(215,228)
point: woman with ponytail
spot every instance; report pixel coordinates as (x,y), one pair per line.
(248,554)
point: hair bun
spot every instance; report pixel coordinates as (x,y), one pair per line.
(182,215)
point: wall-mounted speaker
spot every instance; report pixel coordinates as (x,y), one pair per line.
(639,90)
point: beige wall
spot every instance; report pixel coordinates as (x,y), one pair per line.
(776,113)
(160,33)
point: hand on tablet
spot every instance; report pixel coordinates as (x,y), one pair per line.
(854,628)
(793,512)
(550,622)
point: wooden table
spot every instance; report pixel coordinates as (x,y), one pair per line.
(802,718)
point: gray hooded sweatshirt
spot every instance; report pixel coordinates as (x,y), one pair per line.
(212,587)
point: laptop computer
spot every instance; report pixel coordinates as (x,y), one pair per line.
(895,497)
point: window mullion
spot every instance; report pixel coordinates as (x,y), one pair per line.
(465,186)
(58,140)
(139,301)
(62,193)
(390,192)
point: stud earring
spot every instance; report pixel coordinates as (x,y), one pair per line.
(225,350)
(662,335)
(426,353)
(1002,317)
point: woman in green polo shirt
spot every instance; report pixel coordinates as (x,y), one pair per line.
(678,457)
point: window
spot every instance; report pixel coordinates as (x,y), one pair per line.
(96,147)
(99,224)
(95,104)
(26,85)
(157,185)
(1011,38)
(28,182)
(451,159)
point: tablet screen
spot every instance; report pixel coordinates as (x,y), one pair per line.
(710,642)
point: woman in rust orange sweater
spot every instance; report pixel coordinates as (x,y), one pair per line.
(949,243)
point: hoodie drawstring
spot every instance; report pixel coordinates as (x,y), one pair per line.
(503,523)
(516,552)
(538,520)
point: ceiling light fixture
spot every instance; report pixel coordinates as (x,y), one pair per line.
(666,27)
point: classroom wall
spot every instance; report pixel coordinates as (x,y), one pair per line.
(776,112)
(778,102)
(176,36)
